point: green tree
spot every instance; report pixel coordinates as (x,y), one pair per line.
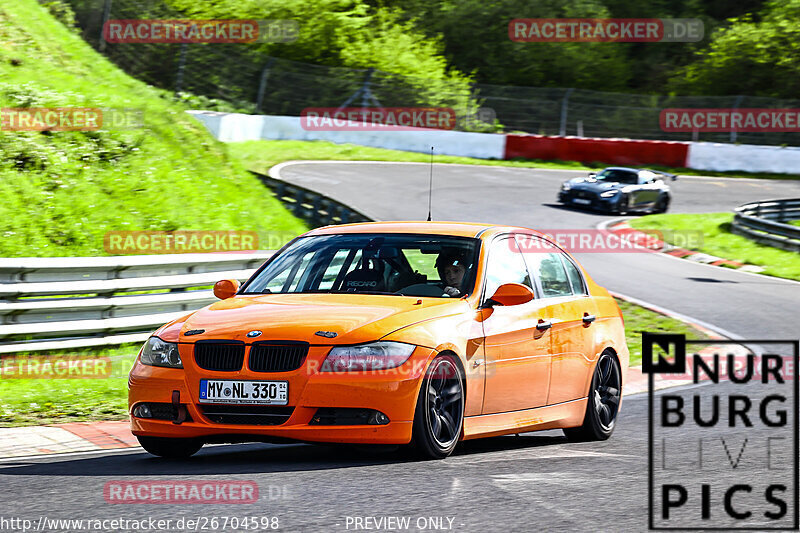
(755,55)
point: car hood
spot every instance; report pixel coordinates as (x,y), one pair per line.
(583,184)
(297,317)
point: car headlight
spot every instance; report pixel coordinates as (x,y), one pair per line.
(373,356)
(609,194)
(565,186)
(160,353)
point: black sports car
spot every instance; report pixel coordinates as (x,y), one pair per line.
(619,190)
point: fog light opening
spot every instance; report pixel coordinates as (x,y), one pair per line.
(379,419)
(348,416)
(142,411)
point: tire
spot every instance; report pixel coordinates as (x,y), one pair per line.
(170,448)
(624,205)
(439,415)
(662,204)
(602,406)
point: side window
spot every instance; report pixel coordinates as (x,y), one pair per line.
(575,278)
(551,273)
(506,265)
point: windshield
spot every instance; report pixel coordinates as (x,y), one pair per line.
(619,176)
(368,263)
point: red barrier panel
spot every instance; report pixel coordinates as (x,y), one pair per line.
(591,150)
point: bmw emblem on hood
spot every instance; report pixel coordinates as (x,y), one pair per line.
(254,333)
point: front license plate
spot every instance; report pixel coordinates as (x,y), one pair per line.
(244,392)
(582,201)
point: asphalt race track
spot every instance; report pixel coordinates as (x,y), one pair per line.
(532,482)
(743,304)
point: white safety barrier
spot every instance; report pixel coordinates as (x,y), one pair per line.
(232,127)
(743,157)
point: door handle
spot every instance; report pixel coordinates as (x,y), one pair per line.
(544,325)
(588,319)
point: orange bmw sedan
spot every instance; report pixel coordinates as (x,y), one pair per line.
(421,333)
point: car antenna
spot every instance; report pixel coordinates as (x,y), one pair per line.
(430,187)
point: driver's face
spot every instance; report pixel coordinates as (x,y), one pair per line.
(454,274)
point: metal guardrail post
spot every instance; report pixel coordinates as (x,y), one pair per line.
(262,84)
(106,16)
(736,105)
(563,129)
(181,68)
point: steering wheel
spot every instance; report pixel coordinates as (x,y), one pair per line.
(421,289)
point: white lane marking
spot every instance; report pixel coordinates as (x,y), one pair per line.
(527,486)
(553,451)
(642,395)
(536,477)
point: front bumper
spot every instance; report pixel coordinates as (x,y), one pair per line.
(393,392)
(589,200)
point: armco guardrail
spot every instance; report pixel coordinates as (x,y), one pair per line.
(313,207)
(72,302)
(764,222)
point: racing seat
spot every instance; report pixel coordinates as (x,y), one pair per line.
(367,277)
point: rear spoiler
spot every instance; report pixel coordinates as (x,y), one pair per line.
(673,177)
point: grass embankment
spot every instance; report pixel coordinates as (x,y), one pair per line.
(62,191)
(25,402)
(259,156)
(720,242)
(639,319)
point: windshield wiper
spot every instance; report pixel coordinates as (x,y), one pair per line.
(325,291)
(362,292)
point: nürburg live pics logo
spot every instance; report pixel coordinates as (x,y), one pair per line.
(723,450)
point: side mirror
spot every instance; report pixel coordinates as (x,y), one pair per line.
(510,294)
(592,175)
(225,288)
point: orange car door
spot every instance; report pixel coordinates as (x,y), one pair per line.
(572,312)
(517,352)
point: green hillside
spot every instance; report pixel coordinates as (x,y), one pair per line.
(62,191)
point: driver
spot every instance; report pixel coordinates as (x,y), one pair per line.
(452,266)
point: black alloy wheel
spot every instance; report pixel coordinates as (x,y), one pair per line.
(440,409)
(603,402)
